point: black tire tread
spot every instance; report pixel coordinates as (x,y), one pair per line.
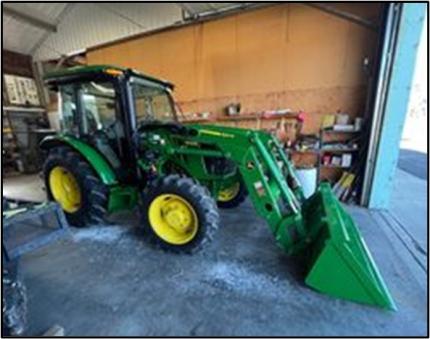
(237,200)
(94,192)
(198,196)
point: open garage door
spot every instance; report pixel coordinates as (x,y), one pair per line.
(403,26)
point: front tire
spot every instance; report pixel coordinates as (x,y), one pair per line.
(178,214)
(71,182)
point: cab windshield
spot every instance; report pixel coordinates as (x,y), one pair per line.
(152,103)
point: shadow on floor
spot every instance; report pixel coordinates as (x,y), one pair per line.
(413,162)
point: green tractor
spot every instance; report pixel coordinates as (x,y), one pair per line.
(121,146)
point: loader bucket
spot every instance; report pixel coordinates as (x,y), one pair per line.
(339,262)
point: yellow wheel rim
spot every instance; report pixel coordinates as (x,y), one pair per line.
(229,193)
(65,189)
(173,219)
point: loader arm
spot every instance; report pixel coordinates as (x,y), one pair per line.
(269,178)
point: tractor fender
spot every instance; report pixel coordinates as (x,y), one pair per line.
(94,158)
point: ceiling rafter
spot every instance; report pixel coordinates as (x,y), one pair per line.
(42,40)
(29,19)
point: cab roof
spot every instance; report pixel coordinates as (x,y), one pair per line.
(109,70)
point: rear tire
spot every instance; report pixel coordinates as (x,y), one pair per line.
(193,195)
(236,200)
(93,193)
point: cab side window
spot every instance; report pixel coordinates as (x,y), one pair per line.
(152,104)
(68,111)
(99,106)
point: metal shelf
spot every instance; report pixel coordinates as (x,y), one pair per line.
(312,151)
(332,131)
(334,166)
(330,150)
(23,109)
(339,150)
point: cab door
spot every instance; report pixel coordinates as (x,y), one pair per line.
(91,111)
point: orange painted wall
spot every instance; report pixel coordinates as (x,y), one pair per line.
(283,56)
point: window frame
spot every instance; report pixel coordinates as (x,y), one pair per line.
(133,80)
(61,101)
(84,117)
(78,98)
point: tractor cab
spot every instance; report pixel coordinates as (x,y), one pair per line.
(104,106)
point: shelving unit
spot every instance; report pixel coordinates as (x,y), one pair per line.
(20,137)
(347,135)
(313,157)
(10,150)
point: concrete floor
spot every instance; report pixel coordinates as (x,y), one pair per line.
(106,281)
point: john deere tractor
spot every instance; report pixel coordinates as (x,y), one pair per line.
(121,146)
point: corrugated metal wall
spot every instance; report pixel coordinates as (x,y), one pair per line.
(89,24)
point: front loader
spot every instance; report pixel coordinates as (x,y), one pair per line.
(121,146)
